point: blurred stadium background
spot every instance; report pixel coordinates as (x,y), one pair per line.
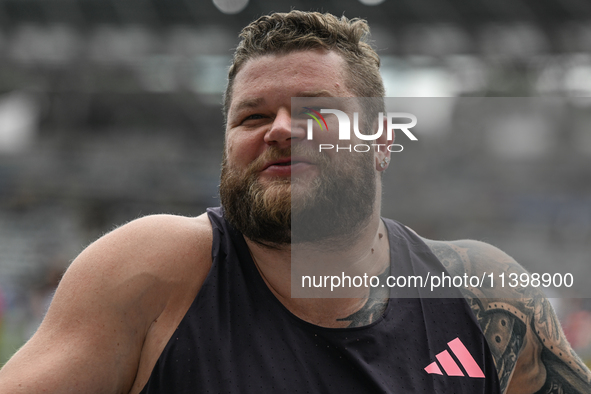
(110,110)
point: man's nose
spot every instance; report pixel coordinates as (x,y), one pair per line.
(281,132)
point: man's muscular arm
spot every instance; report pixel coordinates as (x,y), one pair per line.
(530,350)
(92,337)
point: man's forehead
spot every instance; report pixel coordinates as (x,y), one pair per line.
(317,67)
(307,62)
(253,102)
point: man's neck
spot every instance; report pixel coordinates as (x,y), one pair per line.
(368,255)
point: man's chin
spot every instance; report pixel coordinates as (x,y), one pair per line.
(299,192)
(276,192)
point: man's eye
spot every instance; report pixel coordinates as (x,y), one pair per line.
(254,117)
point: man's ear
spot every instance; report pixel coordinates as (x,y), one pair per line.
(381,152)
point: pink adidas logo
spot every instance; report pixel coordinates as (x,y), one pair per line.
(449,365)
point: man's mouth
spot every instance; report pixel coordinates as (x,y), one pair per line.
(287,163)
(282,162)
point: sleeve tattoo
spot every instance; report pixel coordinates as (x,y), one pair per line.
(528,345)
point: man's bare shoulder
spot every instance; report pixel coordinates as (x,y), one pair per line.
(473,258)
(156,251)
(162,244)
(118,299)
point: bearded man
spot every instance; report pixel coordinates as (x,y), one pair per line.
(169,304)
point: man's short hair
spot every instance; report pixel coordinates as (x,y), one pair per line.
(281,33)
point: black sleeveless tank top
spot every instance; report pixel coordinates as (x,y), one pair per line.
(238,338)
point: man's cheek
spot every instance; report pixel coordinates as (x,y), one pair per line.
(229,149)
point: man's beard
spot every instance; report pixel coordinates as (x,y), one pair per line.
(329,209)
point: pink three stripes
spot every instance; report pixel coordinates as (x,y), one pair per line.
(449,365)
